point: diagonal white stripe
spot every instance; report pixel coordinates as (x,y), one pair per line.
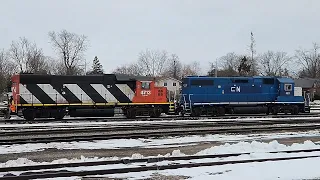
(27,95)
(104,92)
(126,90)
(52,93)
(79,93)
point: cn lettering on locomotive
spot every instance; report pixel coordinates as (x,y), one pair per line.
(235,89)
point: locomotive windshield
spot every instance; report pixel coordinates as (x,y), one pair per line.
(145,85)
(202,82)
(288,87)
(185,82)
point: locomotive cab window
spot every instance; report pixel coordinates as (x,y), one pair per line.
(202,82)
(268,81)
(241,81)
(145,85)
(288,87)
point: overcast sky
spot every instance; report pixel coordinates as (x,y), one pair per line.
(198,30)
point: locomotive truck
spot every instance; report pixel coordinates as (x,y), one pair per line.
(202,95)
(51,96)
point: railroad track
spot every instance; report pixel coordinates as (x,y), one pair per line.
(139,165)
(171,117)
(113,128)
(167,122)
(149,133)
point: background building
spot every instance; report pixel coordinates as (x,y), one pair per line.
(173,85)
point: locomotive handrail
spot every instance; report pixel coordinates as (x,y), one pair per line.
(184,101)
(190,104)
(16,103)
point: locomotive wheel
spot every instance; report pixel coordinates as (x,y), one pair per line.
(124,112)
(28,114)
(196,112)
(221,111)
(295,110)
(59,114)
(214,111)
(156,112)
(275,110)
(131,113)
(268,111)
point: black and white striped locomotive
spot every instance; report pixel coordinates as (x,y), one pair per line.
(52,96)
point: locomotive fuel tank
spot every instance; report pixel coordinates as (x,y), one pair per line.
(90,112)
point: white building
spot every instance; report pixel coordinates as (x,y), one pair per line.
(173,85)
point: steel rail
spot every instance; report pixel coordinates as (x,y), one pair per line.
(156,133)
(67,130)
(173,117)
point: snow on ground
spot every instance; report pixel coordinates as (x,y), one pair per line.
(290,169)
(149,143)
(280,170)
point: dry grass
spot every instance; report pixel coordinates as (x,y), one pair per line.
(157,176)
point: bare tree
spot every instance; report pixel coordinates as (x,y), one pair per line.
(309,61)
(229,63)
(130,69)
(274,63)
(28,57)
(192,69)
(7,69)
(233,64)
(245,67)
(70,48)
(152,62)
(173,67)
(213,70)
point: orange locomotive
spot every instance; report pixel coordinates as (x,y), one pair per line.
(82,96)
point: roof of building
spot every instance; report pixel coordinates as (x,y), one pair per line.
(305,82)
(126,77)
(165,78)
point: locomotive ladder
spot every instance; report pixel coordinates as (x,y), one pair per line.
(187,106)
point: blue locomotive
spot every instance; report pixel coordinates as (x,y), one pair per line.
(203,95)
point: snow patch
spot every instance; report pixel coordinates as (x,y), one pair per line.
(268,170)
(174,142)
(255,146)
(227,148)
